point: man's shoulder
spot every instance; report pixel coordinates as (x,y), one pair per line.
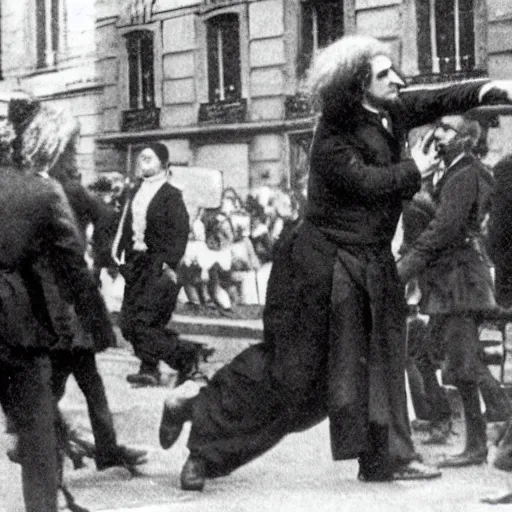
(171,190)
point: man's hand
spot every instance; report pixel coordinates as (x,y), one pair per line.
(500,86)
(425,155)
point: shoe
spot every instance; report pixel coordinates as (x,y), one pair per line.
(144,379)
(374,477)
(193,474)
(416,470)
(124,457)
(177,410)
(466,458)
(504,499)
(503,458)
(194,354)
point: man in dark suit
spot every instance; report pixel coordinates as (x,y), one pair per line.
(37,225)
(153,234)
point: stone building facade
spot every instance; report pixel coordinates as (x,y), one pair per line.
(221,81)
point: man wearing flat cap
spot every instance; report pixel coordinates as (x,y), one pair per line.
(153,233)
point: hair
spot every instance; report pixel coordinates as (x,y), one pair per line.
(161,151)
(49,133)
(341,72)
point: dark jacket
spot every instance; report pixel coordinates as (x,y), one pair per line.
(449,256)
(167,226)
(500,231)
(40,243)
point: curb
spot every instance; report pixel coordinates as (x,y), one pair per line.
(221,327)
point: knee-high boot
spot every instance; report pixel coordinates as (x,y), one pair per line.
(475,451)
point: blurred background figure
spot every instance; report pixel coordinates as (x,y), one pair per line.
(150,241)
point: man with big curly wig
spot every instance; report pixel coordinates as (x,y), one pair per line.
(334,320)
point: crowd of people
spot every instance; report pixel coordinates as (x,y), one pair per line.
(335,341)
(236,238)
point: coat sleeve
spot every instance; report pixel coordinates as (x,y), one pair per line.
(74,280)
(343,168)
(447,228)
(425,106)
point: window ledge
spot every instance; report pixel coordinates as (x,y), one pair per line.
(42,71)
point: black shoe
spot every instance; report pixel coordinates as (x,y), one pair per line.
(177,410)
(504,499)
(144,379)
(124,457)
(375,477)
(416,470)
(193,474)
(188,367)
(466,458)
(503,458)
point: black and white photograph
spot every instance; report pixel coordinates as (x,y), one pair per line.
(255,255)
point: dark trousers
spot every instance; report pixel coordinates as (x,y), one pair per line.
(26,397)
(149,300)
(82,365)
(428,396)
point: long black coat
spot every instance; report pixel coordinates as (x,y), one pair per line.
(38,236)
(334,319)
(347,302)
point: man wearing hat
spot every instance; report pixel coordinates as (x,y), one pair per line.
(153,233)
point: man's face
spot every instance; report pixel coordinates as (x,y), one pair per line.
(148,163)
(385,83)
(447,139)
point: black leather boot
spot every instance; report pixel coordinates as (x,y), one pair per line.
(475,452)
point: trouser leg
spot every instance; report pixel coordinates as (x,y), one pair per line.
(90,383)
(439,406)
(32,411)
(148,304)
(476,438)
(497,403)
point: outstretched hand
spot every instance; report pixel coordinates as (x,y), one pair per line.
(425,155)
(504,87)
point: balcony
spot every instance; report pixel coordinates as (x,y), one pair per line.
(223,112)
(298,106)
(140,119)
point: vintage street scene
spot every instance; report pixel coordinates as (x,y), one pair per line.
(255,255)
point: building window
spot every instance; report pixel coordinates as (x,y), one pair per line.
(141,72)
(446,40)
(48,29)
(223,40)
(321,24)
